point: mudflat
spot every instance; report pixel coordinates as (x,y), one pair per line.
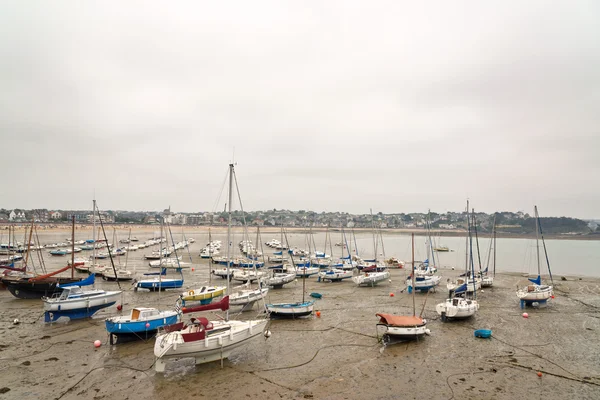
(334,356)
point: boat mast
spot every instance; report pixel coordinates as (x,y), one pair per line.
(413,274)
(544,244)
(73,248)
(476,238)
(374,240)
(209,255)
(467,242)
(489,252)
(537,240)
(472,265)
(94,232)
(29,243)
(229,228)
(494,245)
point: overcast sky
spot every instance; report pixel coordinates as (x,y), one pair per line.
(398,106)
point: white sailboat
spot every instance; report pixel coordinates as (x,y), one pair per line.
(403,327)
(292,309)
(468,279)
(205,340)
(536,292)
(487,279)
(458,305)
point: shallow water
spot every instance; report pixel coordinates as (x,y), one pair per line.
(566,257)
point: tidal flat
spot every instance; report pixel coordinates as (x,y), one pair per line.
(334,356)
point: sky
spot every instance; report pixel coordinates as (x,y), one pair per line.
(394,106)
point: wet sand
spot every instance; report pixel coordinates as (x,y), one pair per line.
(336,356)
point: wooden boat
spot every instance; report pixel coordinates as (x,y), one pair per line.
(38,286)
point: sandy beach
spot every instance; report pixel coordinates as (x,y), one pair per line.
(204,229)
(336,356)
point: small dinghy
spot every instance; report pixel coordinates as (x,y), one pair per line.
(483,333)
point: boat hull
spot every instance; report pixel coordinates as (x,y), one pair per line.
(532,293)
(125,331)
(203,293)
(371,278)
(81,313)
(217,343)
(156,285)
(290,310)
(457,308)
(405,333)
(23,289)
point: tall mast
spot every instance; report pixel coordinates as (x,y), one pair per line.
(413,273)
(537,243)
(229,228)
(209,255)
(494,245)
(467,241)
(373,230)
(94,233)
(73,248)
(476,238)
(472,265)
(29,242)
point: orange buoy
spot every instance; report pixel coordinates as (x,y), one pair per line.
(318,314)
(525,315)
(539,374)
(193,269)
(391,294)
(97,343)
(552,296)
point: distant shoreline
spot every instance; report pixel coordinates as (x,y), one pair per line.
(48,227)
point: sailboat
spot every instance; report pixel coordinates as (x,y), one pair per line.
(293,309)
(37,286)
(205,340)
(458,305)
(404,327)
(158,283)
(536,292)
(487,280)
(122,273)
(279,274)
(76,302)
(335,272)
(378,272)
(467,279)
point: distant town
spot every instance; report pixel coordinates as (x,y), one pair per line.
(506,222)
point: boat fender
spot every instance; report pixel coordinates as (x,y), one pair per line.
(191,292)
